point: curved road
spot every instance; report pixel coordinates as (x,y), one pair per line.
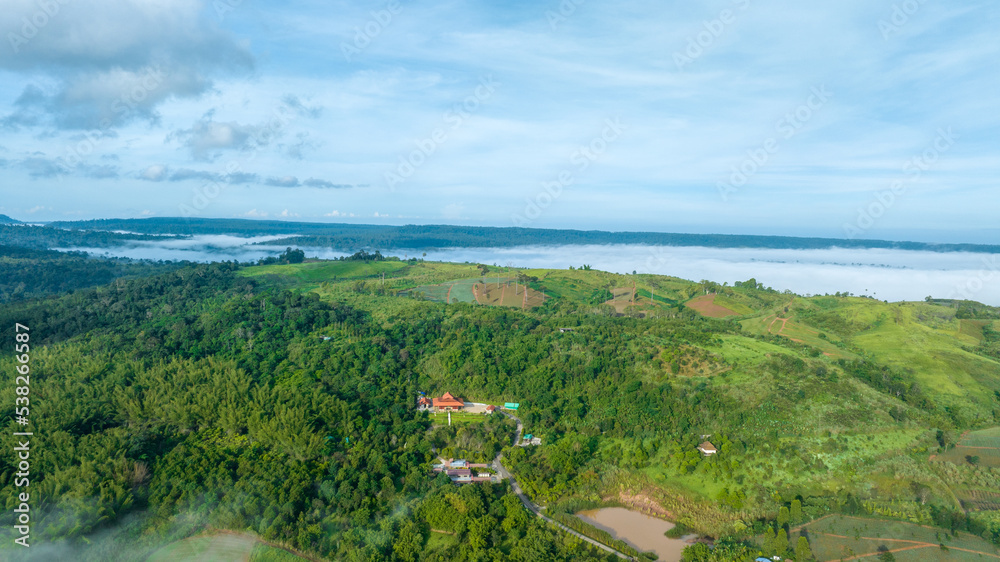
(530,505)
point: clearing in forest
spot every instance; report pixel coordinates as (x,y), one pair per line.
(706,306)
(516,295)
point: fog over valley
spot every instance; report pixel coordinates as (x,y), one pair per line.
(892,275)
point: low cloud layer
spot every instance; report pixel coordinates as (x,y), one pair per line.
(892,275)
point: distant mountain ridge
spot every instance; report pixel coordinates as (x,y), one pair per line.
(4,219)
(366,236)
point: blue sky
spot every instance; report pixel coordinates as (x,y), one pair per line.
(872,119)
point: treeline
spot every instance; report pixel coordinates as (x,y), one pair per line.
(344,236)
(976,311)
(46,237)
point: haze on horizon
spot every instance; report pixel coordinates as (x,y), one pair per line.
(857,119)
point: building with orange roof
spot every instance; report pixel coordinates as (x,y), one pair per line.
(448,403)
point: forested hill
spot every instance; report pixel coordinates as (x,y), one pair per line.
(358,236)
(4,219)
(26,273)
(201,399)
(47,237)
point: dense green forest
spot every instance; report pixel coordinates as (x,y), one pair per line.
(352,237)
(198,398)
(26,273)
(278,401)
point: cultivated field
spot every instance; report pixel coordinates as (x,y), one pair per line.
(457,290)
(983,444)
(850,538)
(481,291)
(706,306)
(507,294)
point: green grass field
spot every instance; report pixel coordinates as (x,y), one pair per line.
(458,418)
(213,548)
(322,271)
(929,342)
(267,553)
(222,547)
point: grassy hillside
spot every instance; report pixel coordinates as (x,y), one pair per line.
(825,398)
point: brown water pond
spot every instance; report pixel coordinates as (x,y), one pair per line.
(642,531)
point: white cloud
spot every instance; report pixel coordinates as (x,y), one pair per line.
(109,62)
(207,138)
(156,172)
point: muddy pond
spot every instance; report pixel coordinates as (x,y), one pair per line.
(643,532)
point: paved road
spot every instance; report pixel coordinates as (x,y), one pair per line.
(505,474)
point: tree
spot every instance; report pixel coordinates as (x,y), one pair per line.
(696,553)
(409,542)
(802,550)
(781,542)
(769,539)
(796,512)
(783,516)
(292,256)
(479,531)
